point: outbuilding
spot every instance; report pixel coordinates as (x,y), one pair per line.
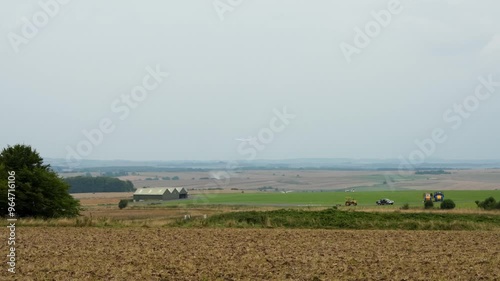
(160,193)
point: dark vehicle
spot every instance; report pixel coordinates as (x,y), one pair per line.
(385,201)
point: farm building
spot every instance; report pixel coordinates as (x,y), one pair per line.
(160,193)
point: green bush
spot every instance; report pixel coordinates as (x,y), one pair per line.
(123,204)
(488,204)
(447,204)
(406,206)
(429,204)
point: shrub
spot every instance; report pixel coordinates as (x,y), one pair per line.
(429,204)
(447,204)
(488,204)
(406,206)
(123,204)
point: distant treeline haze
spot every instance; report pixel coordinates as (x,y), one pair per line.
(98,184)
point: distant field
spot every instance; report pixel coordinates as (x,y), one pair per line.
(317,180)
(101,197)
(312,187)
(463,198)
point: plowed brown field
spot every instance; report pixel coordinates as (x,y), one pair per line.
(58,253)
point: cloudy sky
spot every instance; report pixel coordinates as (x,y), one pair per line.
(357,79)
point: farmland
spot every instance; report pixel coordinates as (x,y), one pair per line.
(318,180)
(254,254)
(270,234)
(313,187)
(237,230)
(463,198)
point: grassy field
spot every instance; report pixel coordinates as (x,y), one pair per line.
(462,198)
(336,219)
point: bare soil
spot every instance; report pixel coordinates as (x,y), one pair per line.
(69,253)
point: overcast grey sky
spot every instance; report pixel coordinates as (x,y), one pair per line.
(227,78)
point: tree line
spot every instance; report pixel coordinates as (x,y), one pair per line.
(83,184)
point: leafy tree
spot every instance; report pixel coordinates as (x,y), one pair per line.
(39,191)
(447,204)
(175,178)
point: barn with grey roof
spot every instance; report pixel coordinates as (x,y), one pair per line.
(160,193)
